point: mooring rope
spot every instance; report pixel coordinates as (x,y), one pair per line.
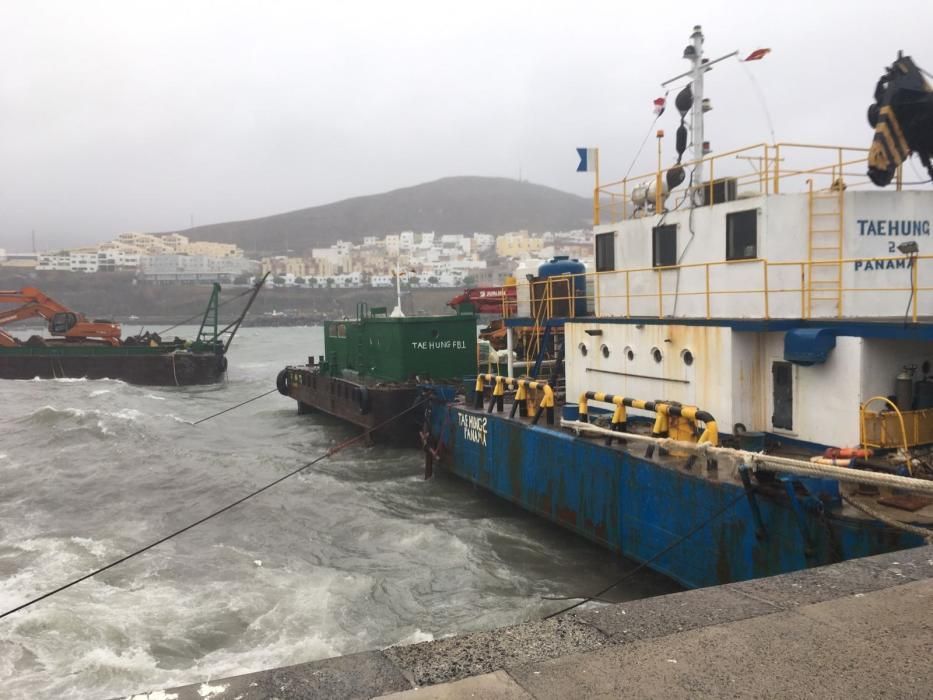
(242,403)
(331,452)
(925,533)
(770,462)
(645,563)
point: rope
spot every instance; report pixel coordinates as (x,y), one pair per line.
(645,140)
(242,403)
(773,463)
(334,450)
(761,98)
(174,373)
(652,559)
(925,533)
(201,315)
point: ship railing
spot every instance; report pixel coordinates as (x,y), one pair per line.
(894,428)
(526,397)
(743,459)
(664,412)
(767,289)
(750,171)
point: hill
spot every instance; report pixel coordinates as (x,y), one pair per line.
(450,205)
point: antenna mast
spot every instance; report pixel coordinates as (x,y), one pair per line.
(397,311)
(696,116)
(694,53)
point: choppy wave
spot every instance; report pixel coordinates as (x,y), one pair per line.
(356,553)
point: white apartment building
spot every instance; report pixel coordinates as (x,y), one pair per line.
(457,242)
(195,268)
(113,259)
(483,242)
(382,281)
(427,241)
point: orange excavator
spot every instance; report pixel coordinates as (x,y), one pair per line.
(64,322)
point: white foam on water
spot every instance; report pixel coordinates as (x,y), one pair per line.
(415,637)
(95,548)
(206,690)
(154,695)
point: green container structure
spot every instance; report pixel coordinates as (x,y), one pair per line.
(402,349)
(376,369)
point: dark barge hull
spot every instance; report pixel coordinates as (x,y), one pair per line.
(134,365)
(368,406)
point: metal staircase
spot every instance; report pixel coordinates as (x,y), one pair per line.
(823,286)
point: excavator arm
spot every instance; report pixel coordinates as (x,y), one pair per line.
(902,117)
(62,320)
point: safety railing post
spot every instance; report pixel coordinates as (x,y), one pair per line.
(777,169)
(767,306)
(660,294)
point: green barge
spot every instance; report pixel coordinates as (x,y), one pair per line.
(373,369)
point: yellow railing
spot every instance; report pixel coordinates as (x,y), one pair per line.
(895,428)
(664,412)
(526,396)
(773,168)
(615,294)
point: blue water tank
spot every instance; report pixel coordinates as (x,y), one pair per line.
(563,265)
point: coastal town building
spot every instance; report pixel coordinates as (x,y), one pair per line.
(171,268)
(426,259)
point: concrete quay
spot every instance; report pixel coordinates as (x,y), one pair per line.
(862,628)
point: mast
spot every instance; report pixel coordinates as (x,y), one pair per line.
(699,65)
(397,311)
(696,116)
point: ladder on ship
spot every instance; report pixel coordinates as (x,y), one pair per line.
(823,287)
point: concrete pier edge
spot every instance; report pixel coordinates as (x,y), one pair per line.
(518,661)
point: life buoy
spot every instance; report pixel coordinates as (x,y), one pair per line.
(831,462)
(847,453)
(281,382)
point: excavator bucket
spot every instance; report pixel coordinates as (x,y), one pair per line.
(902,117)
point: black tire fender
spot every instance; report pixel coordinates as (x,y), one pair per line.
(223,363)
(281,382)
(364,400)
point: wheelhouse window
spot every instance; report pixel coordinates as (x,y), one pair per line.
(742,235)
(664,245)
(605,252)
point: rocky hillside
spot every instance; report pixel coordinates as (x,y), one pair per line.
(450,205)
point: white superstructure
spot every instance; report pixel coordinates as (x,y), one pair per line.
(774,287)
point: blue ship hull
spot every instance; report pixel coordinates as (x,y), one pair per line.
(638,507)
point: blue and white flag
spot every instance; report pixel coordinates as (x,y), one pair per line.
(587,160)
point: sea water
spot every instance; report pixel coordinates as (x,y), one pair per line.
(357,552)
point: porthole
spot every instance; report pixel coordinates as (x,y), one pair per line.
(583,349)
(629,353)
(657,354)
(687,357)
(604,349)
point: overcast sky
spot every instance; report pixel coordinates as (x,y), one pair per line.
(122,115)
